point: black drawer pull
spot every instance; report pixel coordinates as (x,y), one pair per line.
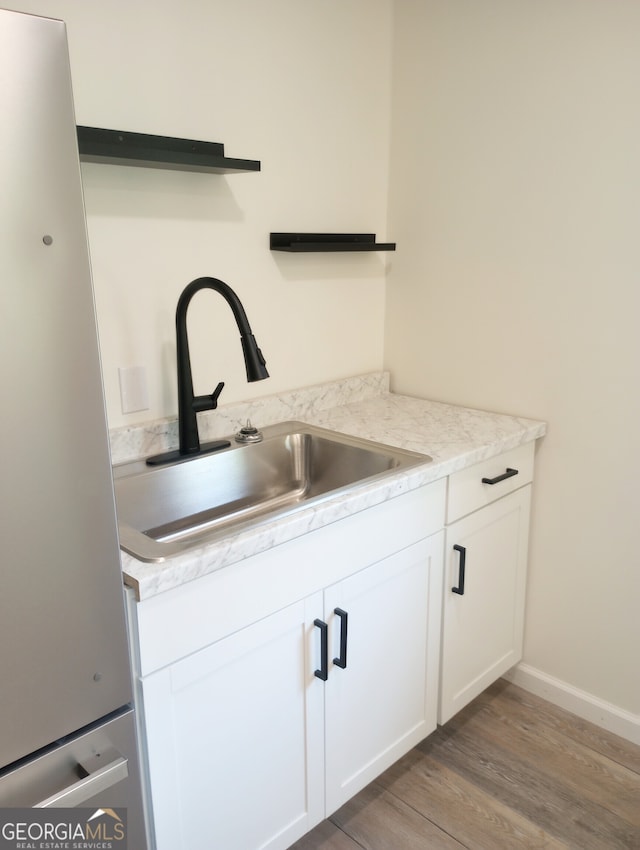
(341,661)
(508,474)
(463,557)
(323,672)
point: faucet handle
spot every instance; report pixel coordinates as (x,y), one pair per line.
(208,402)
(216,393)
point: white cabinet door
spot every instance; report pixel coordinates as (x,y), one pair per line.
(235,738)
(483,622)
(385,700)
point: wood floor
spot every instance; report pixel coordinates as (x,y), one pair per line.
(509,771)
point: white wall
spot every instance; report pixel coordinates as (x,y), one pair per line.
(305,88)
(515,201)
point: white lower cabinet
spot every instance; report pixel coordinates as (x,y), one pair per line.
(275,689)
(385,700)
(234,738)
(485,578)
(250,747)
(258,736)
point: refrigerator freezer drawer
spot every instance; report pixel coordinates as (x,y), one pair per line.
(96,768)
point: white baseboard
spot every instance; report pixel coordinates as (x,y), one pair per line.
(585,705)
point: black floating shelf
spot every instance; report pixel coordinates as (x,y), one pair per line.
(307,242)
(118,147)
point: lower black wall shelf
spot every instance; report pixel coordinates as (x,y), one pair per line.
(306,242)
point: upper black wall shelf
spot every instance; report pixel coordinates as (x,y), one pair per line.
(306,242)
(147,151)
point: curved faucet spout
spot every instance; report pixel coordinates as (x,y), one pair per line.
(188,404)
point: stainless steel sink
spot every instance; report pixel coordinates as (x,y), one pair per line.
(166,510)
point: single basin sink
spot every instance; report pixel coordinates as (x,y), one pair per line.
(165,510)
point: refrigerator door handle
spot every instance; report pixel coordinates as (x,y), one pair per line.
(97,781)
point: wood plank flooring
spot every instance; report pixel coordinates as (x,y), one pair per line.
(510,771)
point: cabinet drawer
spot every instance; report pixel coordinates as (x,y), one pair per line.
(467,491)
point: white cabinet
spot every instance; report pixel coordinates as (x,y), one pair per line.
(251,748)
(385,700)
(247,746)
(274,690)
(234,736)
(485,576)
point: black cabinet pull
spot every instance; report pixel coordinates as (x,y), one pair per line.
(341,661)
(323,672)
(508,474)
(463,557)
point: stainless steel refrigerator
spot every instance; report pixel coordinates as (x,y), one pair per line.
(67,731)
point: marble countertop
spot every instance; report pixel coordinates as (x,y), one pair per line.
(454,437)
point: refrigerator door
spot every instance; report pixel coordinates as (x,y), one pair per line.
(95,769)
(63,645)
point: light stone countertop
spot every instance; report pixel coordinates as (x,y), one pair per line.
(454,437)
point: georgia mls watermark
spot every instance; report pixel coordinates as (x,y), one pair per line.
(63,829)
